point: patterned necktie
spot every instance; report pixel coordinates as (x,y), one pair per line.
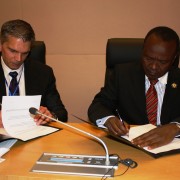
(152,103)
(13,87)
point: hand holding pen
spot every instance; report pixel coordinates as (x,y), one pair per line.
(116,126)
(126,127)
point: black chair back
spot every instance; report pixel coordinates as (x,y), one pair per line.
(123,50)
(38,52)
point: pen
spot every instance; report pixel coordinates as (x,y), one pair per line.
(120,117)
(121,120)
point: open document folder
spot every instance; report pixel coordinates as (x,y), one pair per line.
(139,130)
(168,149)
(135,131)
(18,122)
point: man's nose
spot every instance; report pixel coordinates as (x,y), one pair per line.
(18,57)
(154,65)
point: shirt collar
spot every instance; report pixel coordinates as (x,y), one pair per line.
(162,79)
(7,70)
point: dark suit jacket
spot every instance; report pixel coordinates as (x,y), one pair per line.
(125,91)
(39,80)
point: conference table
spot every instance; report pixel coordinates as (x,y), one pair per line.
(23,155)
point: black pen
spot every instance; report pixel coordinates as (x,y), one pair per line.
(120,117)
(121,120)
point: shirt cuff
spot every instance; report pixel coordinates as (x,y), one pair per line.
(100,122)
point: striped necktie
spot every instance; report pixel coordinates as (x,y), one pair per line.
(152,103)
(13,87)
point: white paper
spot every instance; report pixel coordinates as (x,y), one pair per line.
(6,145)
(3,151)
(3,131)
(139,130)
(175,144)
(17,120)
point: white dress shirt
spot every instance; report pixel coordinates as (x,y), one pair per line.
(20,78)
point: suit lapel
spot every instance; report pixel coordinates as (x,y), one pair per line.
(28,78)
(139,92)
(172,86)
(2,80)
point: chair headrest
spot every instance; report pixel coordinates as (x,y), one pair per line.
(38,51)
(123,50)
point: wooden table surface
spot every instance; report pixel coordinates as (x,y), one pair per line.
(23,155)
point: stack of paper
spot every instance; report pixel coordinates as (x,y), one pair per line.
(17,120)
(5,147)
(18,123)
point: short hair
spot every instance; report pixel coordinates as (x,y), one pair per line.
(166,34)
(17,28)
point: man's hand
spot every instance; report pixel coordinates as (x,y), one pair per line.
(116,127)
(157,137)
(39,119)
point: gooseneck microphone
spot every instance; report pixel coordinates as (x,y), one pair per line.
(34,111)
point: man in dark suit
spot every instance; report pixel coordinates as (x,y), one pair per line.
(125,94)
(33,78)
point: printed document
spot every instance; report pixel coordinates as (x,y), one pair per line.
(18,122)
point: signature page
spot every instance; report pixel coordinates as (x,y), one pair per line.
(17,120)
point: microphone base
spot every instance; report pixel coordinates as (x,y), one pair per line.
(85,165)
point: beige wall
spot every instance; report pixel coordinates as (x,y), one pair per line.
(76,32)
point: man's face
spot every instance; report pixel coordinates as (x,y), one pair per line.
(158,56)
(14,51)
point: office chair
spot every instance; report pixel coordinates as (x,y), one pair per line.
(38,52)
(123,50)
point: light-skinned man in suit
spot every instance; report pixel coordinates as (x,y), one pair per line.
(125,92)
(34,78)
